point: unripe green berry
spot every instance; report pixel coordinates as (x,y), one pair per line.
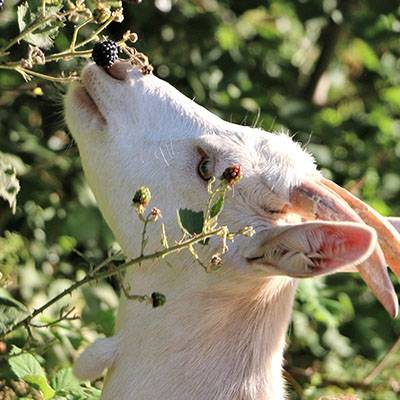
(142,197)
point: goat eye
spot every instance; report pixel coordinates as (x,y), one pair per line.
(205,168)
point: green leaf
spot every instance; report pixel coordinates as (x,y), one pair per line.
(40,382)
(366,54)
(217,207)
(227,37)
(26,367)
(42,36)
(92,393)
(392,96)
(10,312)
(191,222)
(65,382)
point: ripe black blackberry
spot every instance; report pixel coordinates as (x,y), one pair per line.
(104,54)
(1,4)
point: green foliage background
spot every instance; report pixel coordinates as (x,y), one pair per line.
(252,62)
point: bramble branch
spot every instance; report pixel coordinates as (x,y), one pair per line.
(95,274)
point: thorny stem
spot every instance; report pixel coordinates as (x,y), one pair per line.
(382,364)
(92,276)
(63,317)
(76,32)
(292,372)
(31,29)
(59,79)
(65,54)
(144,231)
(96,33)
(44,8)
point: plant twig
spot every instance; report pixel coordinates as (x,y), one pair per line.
(326,381)
(29,29)
(382,364)
(64,316)
(92,276)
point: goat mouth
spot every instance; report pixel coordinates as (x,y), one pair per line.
(86,102)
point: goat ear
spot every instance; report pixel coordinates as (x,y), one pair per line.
(316,248)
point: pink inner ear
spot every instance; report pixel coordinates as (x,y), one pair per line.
(342,245)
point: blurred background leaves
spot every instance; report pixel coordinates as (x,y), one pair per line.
(327,71)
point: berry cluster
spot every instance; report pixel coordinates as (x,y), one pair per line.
(104,54)
(157,299)
(1,4)
(232,175)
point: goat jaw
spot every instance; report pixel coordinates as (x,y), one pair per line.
(314,201)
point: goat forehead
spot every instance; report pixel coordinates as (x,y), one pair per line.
(266,154)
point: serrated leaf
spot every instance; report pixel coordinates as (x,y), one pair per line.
(191,222)
(26,367)
(217,207)
(10,312)
(65,382)
(43,36)
(25,364)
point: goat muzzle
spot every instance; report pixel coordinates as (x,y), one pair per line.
(327,201)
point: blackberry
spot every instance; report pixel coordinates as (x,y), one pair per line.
(158,299)
(1,4)
(104,54)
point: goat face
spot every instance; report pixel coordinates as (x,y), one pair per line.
(133,129)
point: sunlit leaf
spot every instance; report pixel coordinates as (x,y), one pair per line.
(190,221)
(43,36)
(26,367)
(217,207)
(65,382)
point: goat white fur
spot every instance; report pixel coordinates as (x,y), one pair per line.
(220,336)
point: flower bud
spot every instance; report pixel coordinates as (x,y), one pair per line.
(155,214)
(26,63)
(101,14)
(216,260)
(73,17)
(118,15)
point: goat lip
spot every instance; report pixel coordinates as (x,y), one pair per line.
(87,101)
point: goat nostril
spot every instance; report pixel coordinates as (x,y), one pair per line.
(119,70)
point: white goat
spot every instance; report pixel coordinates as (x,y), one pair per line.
(220,336)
